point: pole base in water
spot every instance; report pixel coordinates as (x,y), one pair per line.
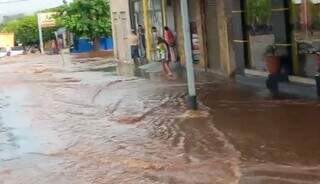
(192,102)
(318,84)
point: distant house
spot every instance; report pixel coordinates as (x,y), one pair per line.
(6,40)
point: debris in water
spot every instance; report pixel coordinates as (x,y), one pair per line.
(195,114)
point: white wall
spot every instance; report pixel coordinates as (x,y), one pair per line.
(121,28)
(171,18)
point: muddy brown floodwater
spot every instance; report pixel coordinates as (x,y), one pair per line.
(95,122)
(278,139)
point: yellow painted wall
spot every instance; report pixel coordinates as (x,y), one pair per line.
(6,40)
(148,25)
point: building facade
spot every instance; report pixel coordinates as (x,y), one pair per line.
(7,40)
(222,34)
(294,32)
(208,29)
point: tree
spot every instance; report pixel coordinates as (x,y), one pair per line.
(87,18)
(26,30)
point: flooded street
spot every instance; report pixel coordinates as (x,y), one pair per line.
(278,139)
(73,121)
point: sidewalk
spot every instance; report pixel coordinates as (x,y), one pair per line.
(301,90)
(286,88)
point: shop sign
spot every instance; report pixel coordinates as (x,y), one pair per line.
(47,19)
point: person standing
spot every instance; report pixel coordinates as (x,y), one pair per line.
(60,43)
(133,41)
(170,39)
(155,35)
(164,56)
(54,46)
(8,49)
(142,40)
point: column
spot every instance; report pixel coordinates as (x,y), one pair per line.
(192,99)
(147,25)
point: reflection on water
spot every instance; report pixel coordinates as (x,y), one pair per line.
(17,137)
(278,139)
(270,140)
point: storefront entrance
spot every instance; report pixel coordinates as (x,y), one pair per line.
(289,27)
(149,14)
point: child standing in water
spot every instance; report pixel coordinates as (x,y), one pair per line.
(170,39)
(165,56)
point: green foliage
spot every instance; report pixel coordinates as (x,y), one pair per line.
(26,30)
(55,9)
(258,12)
(87,18)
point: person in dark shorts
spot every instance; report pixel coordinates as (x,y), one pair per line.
(133,41)
(142,40)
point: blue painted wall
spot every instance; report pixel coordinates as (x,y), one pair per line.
(85,45)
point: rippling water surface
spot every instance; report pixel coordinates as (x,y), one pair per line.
(93,126)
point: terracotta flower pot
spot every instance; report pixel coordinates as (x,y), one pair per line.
(273,64)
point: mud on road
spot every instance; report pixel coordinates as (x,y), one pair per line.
(80,122)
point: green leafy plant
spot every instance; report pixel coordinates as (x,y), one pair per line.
(87,18)
(259,15)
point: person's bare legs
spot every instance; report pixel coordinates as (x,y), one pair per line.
(164,67)
(168,68)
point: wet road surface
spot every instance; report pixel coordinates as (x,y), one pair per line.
(278,139)
(81,122)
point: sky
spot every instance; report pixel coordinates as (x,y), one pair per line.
(26,6)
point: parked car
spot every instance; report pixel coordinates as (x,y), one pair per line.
(3,52)
(15,51)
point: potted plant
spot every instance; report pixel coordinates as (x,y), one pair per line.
(272,59)
(258,17)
